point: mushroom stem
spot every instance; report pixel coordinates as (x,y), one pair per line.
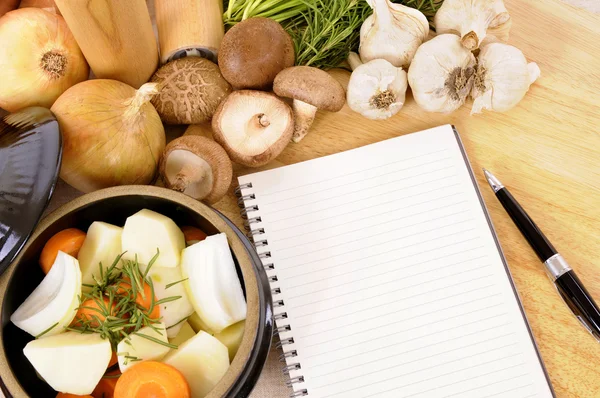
(188,174)
(263,120)
(304,115)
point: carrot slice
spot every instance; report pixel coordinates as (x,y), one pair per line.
(152,379)
(142,300)
(68,241)
(67,395)
(192,235)
(89,310)
(106,386)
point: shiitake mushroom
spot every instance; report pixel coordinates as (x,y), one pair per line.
(191,88)
(198,167)
(254,127)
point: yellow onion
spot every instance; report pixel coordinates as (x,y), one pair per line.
(112,135)
(8,5)
(47,5)
(39,59)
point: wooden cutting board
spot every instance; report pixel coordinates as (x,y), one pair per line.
(546,150)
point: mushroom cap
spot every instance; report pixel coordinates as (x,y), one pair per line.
(204,129)
(253,52)
(311,85)
(191,89)
(194,153)
(254,127)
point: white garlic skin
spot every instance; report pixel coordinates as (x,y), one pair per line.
(433,71)
(471,19)
(375,82)
(502,79)
(393,32)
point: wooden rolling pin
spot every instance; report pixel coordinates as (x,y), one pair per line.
(115,36)
(189,27)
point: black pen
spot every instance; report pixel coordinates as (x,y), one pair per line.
(566,281)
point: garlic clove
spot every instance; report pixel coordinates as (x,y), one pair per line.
(471,19)
(534,72)
(354,60)
(441,74)
(377,89)
(502,79)
(411,16)
(393,32)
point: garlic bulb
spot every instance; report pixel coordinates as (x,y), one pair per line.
(393,32)
(377,89)
(441,74)
(472,19)
(502,78)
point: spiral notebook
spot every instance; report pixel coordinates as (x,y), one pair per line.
(387,277)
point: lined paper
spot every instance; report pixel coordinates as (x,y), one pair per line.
(392,281)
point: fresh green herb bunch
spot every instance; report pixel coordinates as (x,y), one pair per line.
(324,31)
(119,314)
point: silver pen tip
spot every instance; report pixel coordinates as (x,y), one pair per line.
(493,181)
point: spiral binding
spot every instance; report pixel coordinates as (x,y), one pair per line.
(254,235)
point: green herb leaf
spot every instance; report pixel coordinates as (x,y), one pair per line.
(168,299)
(174,283)
(151,263)
(154,339)
(178,322)
(46,331)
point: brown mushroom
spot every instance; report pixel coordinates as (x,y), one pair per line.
(311,89)
(198,167)
(254,127)
(253,52)
(191,89)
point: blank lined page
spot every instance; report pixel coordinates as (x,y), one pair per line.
(391,279)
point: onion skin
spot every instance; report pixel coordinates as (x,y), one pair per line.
(47,5)
(8,5)
(107,139)
(39,59)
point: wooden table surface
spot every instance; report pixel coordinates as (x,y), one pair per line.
(546,150)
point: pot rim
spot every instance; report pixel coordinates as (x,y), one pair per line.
(254,296)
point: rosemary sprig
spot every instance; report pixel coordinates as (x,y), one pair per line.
(328,31)
(46,331)
(178,322)
(154,339)
(174,283)
(167,300)
(116,313)
(151,263)
(129,358)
